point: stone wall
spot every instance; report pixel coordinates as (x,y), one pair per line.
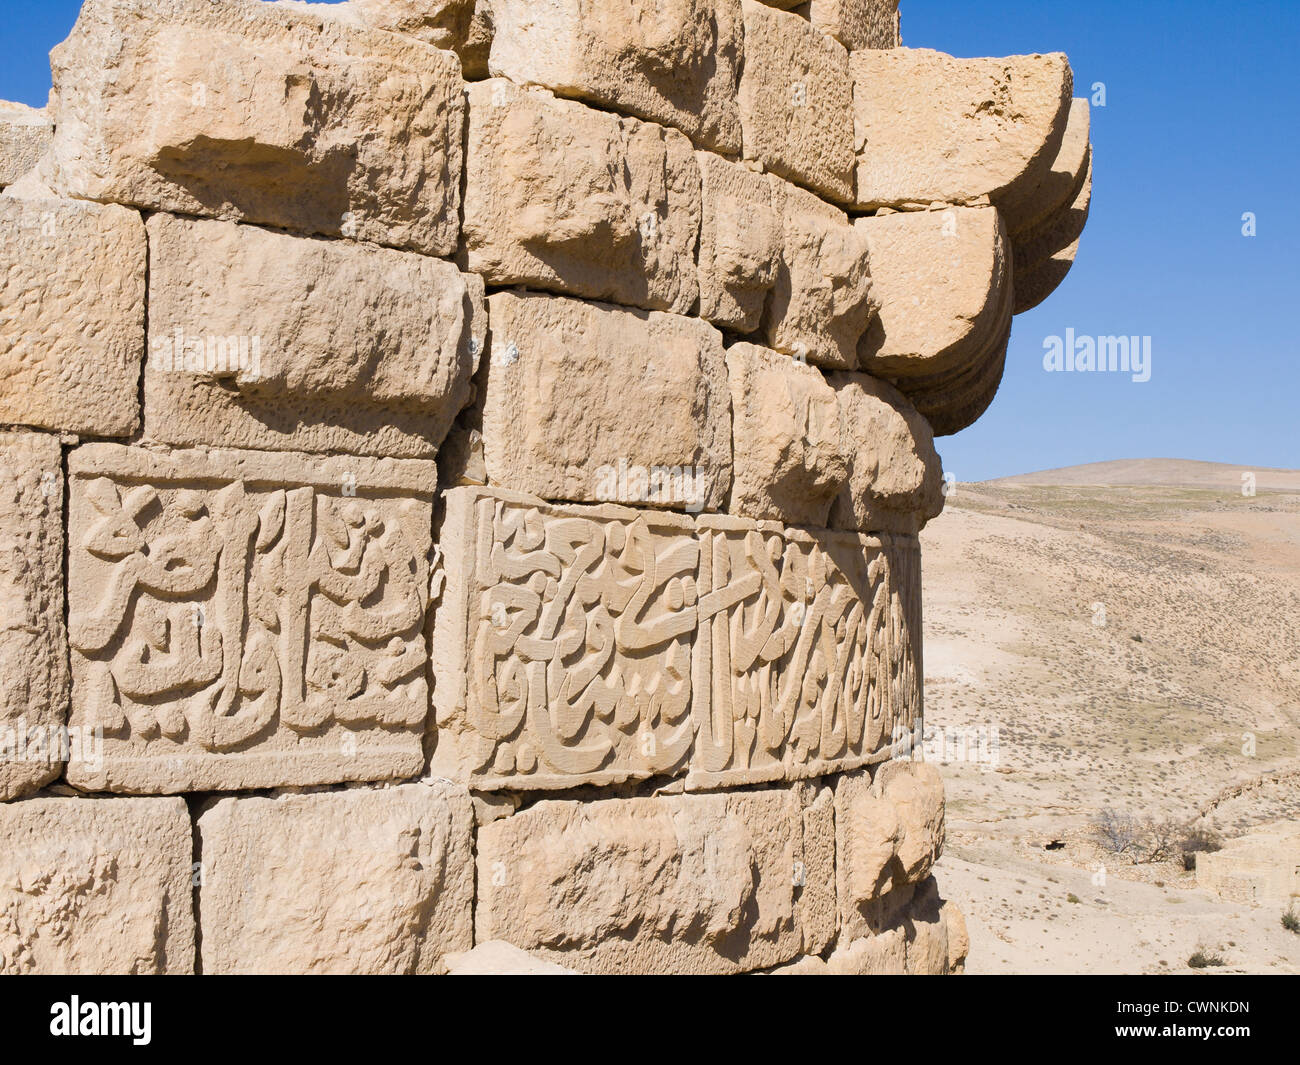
(465,463)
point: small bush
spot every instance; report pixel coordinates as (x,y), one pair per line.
(1198,841)
(1204,959)
(1291,921)
(1072,897)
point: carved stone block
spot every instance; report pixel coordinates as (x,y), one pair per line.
(246,619)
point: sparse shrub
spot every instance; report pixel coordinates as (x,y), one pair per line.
(1143,840)
(1072,897)
(1116,832)
(1205,959)
(1291,921)
(1198,841)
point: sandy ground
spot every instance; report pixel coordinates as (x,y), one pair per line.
(1127,646)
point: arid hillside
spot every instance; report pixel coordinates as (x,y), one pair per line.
(1127,637)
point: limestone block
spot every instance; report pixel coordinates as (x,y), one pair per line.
(96,887)
(926,925)
(822,302)
(741,233)
(285,116)
(889,833)
(247,619)
(894,481)
(33,641)
(1260,868)
(270,341)
(499,958)
(1063,180)
(561,643)
(671,884)
(807,657)
(857,23)
(675,62)
(940,279)
(884,954)
(1044,253)
(788,462)
(796,102)
(569,395)
(367,881)
(958,936)
(72,287)
(25,136)
(933,128)
(815,875)
(563,197)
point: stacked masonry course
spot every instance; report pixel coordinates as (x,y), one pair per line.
(465,462)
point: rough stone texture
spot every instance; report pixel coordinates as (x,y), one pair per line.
(96,886)
(675,62)
(498,958)
(815,877)
(822,301)
(270,341)
(796,101)
(72,286)
(247,619)
(285,117)
(889,832)
(671,884)
(1259,868)
(788,458)
(894,480)
(33,641)
(569,395)
(561,643)
(741,233)
(806,661)
(857,23)
(1065,177)
(25,136)
(363,881)
(566,198)
(1045,253)
(929,127)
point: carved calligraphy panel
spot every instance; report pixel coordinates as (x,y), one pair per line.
(562,643)
(244,619)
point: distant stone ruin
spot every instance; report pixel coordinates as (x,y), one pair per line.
(465,463)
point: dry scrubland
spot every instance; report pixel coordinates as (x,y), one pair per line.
(1149,712)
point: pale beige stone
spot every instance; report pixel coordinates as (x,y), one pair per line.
(363,881)
(806,659)
(895,478)
(915,790)
(592,403)
(441,23)
(884,954)
(675,62)
(1045,253)
(499,958)
(270,341)
(25,136)
(929,951)
(796,102)
(72,288)
(857,23)
(284,116)
(822,302)
(33,640)
(561,643)
(741,232)
(788,461)
(562,197)
(933,128)
(1259,868)
(815,875)
(96,887)
(1065,177)
(246,619)
(958,937)
(673,884)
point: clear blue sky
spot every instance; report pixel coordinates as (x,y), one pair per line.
(1202,124)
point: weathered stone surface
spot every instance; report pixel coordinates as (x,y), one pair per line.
(270,341)
(247,619)
(884,954)
(370,881)
(570,388)
(934,929)
(285,116)
(1259,868)
(894,481)
(958,937)
(674,62)
(889,832)
(441,23)
(562,197)
(822,301)
(930,127)
(788,461)
(796,101)
(561,643)
(672,884)
(940,279)
(807,657)
(33,641)
(1063,180)
(857,23)
(740,243)
(815,875)
(25,136)
(1044,253)
(96,887)
(499,958)
(72,287)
